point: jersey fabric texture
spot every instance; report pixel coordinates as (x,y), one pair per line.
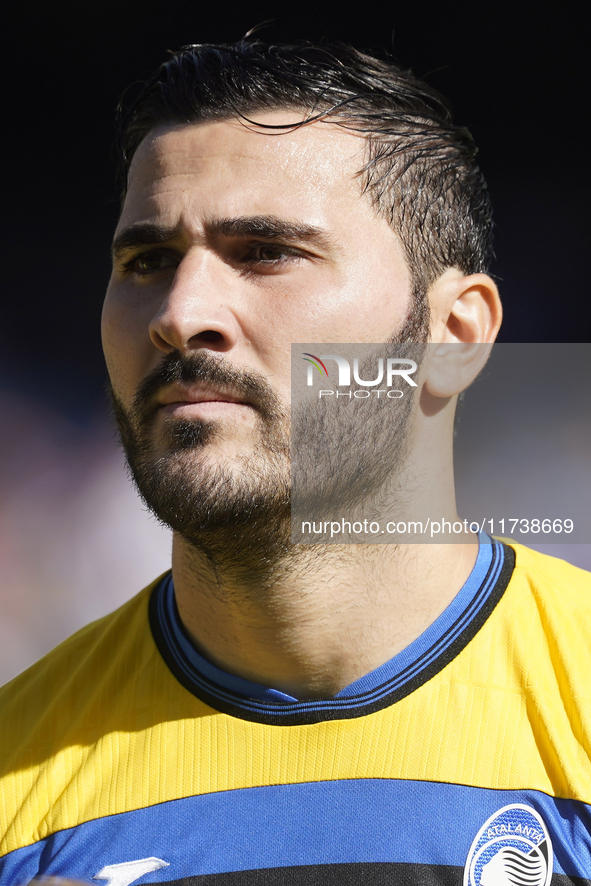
(126,757)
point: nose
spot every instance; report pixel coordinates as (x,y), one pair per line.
(197,309)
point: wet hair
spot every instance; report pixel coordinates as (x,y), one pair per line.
(419,171)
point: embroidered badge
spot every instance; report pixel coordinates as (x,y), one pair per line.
(512,848)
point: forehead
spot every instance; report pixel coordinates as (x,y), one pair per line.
(226,168)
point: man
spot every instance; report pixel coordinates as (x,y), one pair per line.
(280,713)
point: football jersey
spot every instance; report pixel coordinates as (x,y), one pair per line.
(128,758)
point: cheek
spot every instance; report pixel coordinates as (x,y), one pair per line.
(126,345)
(361,308)
(378,299)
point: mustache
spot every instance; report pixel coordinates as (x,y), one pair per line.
(203,366)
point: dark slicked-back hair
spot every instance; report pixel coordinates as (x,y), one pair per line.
(420,171)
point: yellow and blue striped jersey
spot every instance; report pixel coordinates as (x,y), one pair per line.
(126,757)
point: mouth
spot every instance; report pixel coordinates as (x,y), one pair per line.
(201,401)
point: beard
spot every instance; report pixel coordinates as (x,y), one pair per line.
(348,454)
(234,515)
(238,517)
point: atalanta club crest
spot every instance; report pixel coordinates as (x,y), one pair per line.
(512,848)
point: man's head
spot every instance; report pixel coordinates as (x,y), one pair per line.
(274,195)
(418,167)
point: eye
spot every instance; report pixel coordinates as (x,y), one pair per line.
(150,262)
(271,253)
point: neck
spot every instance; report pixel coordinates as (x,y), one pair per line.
(325,617)
(309,619)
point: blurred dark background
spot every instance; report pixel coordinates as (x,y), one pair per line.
(515,74)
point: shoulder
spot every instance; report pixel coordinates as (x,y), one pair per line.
(47,698)
(78,728)
(547,616)
(551,580)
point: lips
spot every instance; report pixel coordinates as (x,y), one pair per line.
(197,384)
(179,397)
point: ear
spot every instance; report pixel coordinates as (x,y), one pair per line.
(466,314)
(464,308)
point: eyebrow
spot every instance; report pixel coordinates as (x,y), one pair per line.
(142,235)
(267,227)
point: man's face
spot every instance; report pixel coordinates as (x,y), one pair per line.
(233,244)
